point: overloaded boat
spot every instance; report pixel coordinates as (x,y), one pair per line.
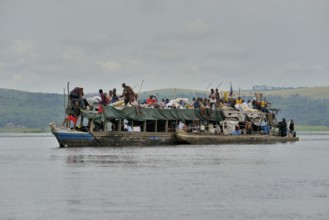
(136,126)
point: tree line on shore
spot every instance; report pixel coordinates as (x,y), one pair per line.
(21,109)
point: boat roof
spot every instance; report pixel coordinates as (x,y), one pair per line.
(142,114)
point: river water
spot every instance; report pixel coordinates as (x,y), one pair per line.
(280,181)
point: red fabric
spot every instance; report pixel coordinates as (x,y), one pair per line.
(150,101)
(73,119)
(100,109)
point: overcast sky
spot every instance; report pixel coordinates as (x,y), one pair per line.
(167,43)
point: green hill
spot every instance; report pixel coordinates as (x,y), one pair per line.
(310,92)
(21,111)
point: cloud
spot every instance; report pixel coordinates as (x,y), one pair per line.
(135,62)
(195,68)
(151,6)
(177,43)
(73,54)
(18,77)
(110,66)
(23,51)
(198,27)
(302,67)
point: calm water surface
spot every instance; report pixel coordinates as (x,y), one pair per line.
(281,181)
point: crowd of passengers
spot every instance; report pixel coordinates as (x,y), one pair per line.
(130,98)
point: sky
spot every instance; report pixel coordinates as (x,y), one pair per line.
(156,44)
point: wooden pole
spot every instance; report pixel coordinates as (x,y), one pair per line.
(68,100)
(219,85)
(140,89)
(64,103)
(205,92)
(173,101)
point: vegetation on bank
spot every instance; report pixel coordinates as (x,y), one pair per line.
(26,112)
(23,130)
(311,128)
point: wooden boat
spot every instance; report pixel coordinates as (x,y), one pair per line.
(148,127)
(202,138)
(67,137)
(135,126)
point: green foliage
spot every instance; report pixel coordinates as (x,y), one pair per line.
(23,110)
(29,110)
(311,128)
(303,110)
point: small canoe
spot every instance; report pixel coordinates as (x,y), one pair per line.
(204,138)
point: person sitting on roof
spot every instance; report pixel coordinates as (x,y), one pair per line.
(244,105)
(150,101)
(250,104)
(181,104)
(168,104)
(162,104)
(197,103)
(104,100)
(77,95)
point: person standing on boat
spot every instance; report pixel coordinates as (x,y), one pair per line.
(109,96)
(248,126)
(283,127)
(115,97)
(292,128)
(212,98)
(128,94)
(217,97)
